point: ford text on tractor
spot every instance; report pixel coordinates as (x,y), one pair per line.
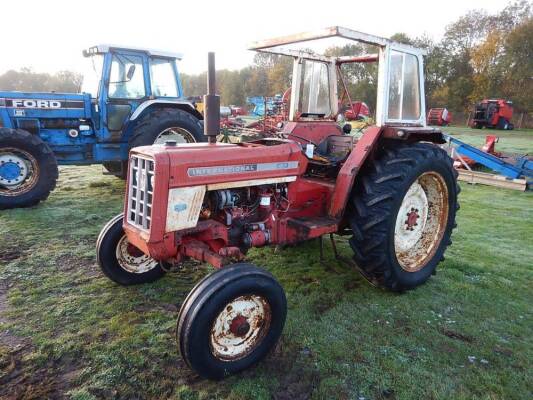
(392,190)
(130,97)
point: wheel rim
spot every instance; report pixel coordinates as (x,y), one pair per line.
(180,135)
(421,221)
(19,171)
(133,260)
(240,327)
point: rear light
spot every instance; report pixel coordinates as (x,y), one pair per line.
(140,191)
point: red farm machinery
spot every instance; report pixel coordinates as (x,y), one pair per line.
(493,113)
(439,117)
(392,190)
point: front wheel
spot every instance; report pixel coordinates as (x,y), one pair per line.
(230,320)
(28,169)
(402,215)
(120,260)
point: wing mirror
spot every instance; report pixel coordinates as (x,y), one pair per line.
(131,71)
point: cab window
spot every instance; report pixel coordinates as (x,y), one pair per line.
(126,80)
(314,99)
(164,82)
(404,89)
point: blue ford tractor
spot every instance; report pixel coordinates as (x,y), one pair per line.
(130,97)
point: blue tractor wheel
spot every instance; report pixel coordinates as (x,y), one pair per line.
(28,169)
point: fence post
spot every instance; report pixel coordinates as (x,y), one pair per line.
(520,120)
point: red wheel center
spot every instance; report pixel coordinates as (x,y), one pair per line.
(134,251)
(239,326)
(412,218)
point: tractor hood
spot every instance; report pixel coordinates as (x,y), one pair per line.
(202,163)
(43,105)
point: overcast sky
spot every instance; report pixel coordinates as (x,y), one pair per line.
(49,35)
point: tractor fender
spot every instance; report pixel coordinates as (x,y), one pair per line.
(151,105)
(157,103)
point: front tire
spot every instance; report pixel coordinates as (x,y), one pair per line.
(122,262)
(231,320)
(402,215)
(28,169)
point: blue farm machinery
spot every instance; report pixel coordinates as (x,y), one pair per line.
(131,97)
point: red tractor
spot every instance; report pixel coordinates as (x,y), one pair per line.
(356,111)
(393,190)
(494,113)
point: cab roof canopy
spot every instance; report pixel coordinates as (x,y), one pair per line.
(106,48)
(274,45)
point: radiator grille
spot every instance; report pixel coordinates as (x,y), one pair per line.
(140,192)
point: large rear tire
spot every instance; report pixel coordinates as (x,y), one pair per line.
(230,320)
(402,215)
(158,126)
(117,168)
(167,124)
(28,169)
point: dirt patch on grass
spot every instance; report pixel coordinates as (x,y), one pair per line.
(10,255)
(456,335)
(67,262)
(20,378)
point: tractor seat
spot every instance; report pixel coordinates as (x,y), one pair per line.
(335,148)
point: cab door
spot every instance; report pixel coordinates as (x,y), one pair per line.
(126,89)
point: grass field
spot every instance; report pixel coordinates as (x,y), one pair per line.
(67,331)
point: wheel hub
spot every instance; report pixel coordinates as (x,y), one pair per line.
(421,221)
(132,259)
(13,170)
(412,218)
(240,327)
(179,135)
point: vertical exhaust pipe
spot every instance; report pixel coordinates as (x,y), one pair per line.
(211,103)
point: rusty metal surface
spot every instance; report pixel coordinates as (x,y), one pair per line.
(240,327)
(414,133)
(269,45)
(348,172)
(421,221)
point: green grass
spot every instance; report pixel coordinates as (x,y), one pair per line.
(69,331)
(516,141)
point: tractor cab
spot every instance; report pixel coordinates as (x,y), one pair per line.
(120,79)
(319,84)
(320,95)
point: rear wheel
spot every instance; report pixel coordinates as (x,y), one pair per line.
(402,215)
(117,168)
(157,127)
(167,124)
(503,124)
(230,320)
(28,169)
(120,260)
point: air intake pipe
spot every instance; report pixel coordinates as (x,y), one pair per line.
(211,103)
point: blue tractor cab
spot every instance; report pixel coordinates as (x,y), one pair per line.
(129,97)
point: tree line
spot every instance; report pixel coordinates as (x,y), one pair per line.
(26,80)
(480,55)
